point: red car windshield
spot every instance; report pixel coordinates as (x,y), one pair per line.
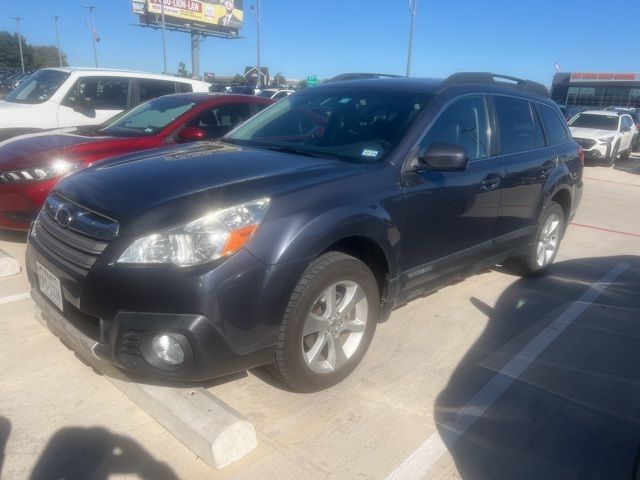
(150,117)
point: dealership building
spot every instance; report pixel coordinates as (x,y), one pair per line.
(597,90)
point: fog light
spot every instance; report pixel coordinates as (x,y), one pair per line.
(167,349)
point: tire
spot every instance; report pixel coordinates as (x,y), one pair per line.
(612,159)
(625,155)
(530,265)
(308,352)
(636,143)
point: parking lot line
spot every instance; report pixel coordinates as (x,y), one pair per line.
(420,462)
(613,181)
(606,229)
(14,298)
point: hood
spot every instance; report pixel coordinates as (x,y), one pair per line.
(593,133)
(39,149)
(168,187)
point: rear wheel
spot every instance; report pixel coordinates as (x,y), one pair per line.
(545,246)
(328,324)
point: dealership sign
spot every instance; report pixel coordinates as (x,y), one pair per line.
(215,16)
(604,77)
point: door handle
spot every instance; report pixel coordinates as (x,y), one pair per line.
(490,182)
(548,166)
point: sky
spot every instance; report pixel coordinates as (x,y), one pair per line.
(299,38)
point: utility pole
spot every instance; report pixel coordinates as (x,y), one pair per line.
(17,19)
(55,21)
(256,14)
(164,38)
(412,9)
(91,8)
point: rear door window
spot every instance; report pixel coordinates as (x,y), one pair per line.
(155,88)
(515,124)
(553,125)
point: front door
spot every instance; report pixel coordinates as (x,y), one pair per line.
(450,217)
(94,100)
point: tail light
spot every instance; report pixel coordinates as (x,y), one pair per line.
(581,155)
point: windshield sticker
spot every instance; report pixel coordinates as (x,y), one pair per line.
(344,100)
(370,153)
(148,129)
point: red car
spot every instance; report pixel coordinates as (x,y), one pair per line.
(31,165)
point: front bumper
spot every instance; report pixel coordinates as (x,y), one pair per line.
(20,202)
(229,314)
(598,151)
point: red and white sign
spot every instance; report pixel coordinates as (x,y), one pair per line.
(604,77)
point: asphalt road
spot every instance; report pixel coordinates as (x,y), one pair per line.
(495,377)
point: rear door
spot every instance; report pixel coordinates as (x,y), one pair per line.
(93,100)
(528,161)
(450,217)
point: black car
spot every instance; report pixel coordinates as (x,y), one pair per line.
(289,240)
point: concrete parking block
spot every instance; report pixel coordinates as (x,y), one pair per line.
(8,265)
(207,426)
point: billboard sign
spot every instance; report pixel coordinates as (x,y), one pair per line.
(216,16)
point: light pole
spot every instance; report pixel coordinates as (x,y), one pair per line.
(17,19)
(91,8)
(412,10)
(164,38)
(256,13)
(55,21)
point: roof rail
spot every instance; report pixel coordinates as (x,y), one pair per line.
(498,80)
(359,76)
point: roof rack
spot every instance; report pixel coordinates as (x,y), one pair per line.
(359,76)
(498,80)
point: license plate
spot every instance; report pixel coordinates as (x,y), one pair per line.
(50,285)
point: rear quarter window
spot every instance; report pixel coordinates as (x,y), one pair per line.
(184,87)
(553,126)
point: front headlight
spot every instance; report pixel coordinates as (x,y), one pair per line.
(57,169)
(606,139)
(215,235)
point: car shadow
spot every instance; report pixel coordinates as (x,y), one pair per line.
(630,165)
(13,236)
(574,412)
(5,431)
(96,453)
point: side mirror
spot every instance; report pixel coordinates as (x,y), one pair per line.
(191,134)
(445,157)
(84,105)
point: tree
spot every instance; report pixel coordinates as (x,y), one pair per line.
(237,78)
(302,84)
(279,81)
(35,56)
(182,70)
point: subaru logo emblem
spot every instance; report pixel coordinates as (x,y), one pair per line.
(63,216)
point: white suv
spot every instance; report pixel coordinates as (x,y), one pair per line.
(604,134)
(70,97)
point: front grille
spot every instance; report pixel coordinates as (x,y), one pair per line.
(76,238)
(585,142)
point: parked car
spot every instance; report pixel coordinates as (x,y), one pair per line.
(31,165)
(241,89)
(274,93)
(635,115)
(288,241)
(603,134)
(71,97)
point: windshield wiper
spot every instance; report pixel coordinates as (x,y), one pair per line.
(298,151)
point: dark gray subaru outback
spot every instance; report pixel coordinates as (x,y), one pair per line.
(289,240)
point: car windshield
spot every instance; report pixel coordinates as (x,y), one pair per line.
(597,122)
(150,117)
(346,123)
(38,88)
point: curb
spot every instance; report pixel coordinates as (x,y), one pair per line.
(8,265)
(203,423)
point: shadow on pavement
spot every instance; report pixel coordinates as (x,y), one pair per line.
(96,453)
(574,412)
(631,165)
(13,236)
(5,431)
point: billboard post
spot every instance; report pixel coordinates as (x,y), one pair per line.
(195,54)
(164,40)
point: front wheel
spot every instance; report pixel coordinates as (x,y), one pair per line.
(545,246)
(328,325)
(612,159)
